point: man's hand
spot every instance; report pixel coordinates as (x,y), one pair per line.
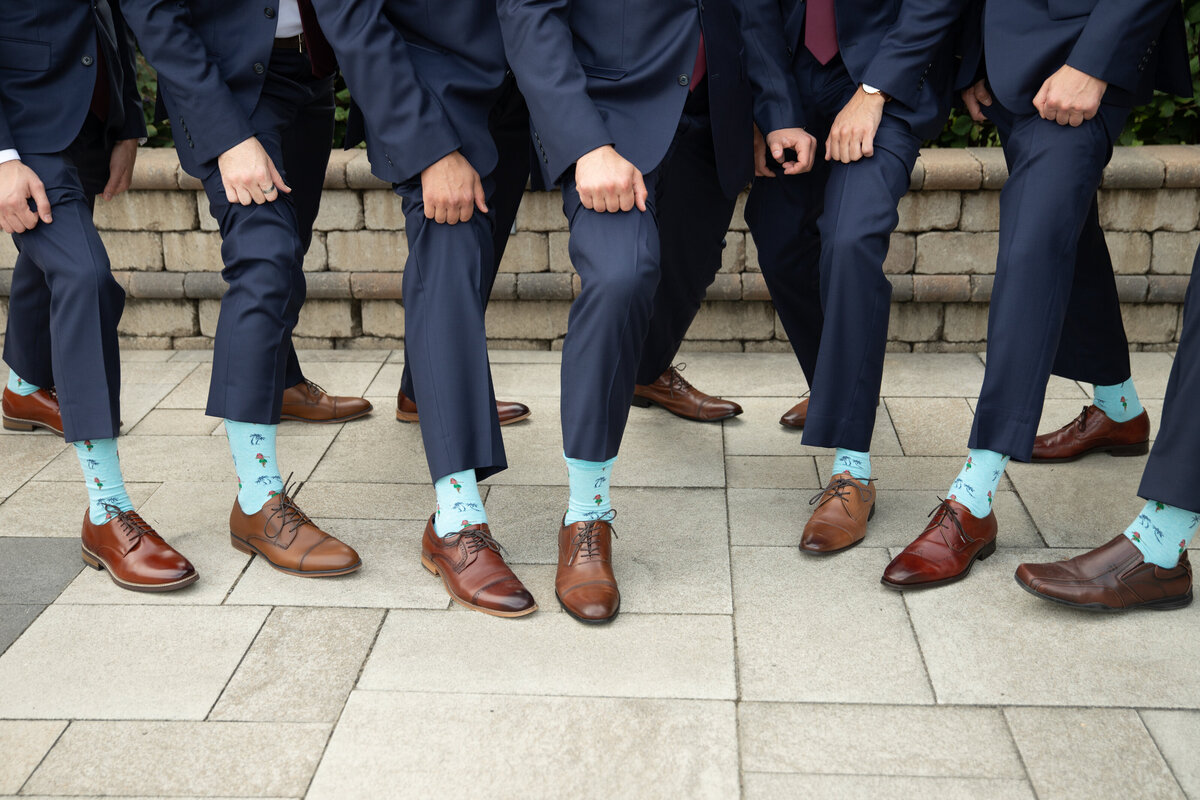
(248,174)
(1069,97)
(761,170)
(452,190)
(120,167)
(853,133)
(796,139)
(18,183)
(975,97)
(607,182)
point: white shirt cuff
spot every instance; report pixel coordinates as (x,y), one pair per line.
(9,155)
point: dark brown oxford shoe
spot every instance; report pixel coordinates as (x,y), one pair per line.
(585,584)
(474,572)
(290,542)
(1113,577)
(840,519)
(37,410)
(673,392)
(509,411)
(944,553)
(796,416)
(135,557)
(307,402)
(1093,431)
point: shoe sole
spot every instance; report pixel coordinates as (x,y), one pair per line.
(1116,450)
(587,620)
(241,545)
(643,402)
(413,419)
(855,543)
(26,425)
(1165,604)
(95,562)
(432,568)
(333,421)
(982,555)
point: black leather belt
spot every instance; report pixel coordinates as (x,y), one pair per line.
(294,43)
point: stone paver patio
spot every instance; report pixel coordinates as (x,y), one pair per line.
(738,665)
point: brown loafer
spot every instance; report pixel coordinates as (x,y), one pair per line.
(508,411)
(308,402)
(836,526)
(135,557)
(952,541)
(37,410)
(1092,431)
(285,536)
(585,584)
(1113,577)
(796,416)
(474,572)
(673,392)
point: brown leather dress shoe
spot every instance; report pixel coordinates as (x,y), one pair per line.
(307,402)
(796,416)
(284,535)
(1113,577)
(37,410)
(474,572)
(508,411)
(840,519)
(585,584)
(945,551)
(673,392)
(1092,430)
(135,557)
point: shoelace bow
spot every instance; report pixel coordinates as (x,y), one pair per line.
(839,488)
(944,506)
(288,512)
(132,524)
(678,382)
(314,388)
(476,539)
(587,541)
(1081,420)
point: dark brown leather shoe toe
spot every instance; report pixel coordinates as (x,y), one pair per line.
(796,416)
(585,584)
(944,553)
(474,572)
(840,519)
(508,410)
(37,410)
(135,557)
(308,402)
(673,392)
(1113,577)
(1092,431)
(285,536)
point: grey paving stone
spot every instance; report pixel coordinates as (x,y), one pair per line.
(1084,503)
(111,662)
(1176,734)
(638,655)
(33,571)
(139,399)
(175,422)
(172,372)
(519,381)
(760,786)
(192,391)
(14,619)
(391,501)
(301,666)
(387,381)
(1150,373)
(341,356)
(56,508)
(758,432)
(932,474)
(24,743)
(25,456)
(817,630)
(343,377)
(931,426)
(1072,753)
(236,759)
(582,748)
(932,375)
(509,356)
(772,472)
(986,641)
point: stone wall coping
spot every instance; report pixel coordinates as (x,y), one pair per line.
(1172,166)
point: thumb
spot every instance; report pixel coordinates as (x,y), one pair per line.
(43,202)
(480,197)
(1039,99)
(639,190)
(277,179)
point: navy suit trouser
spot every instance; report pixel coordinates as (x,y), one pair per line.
(64,303)
(1047,206)
(1172,472)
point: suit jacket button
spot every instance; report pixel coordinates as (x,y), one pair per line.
(269,13)
(87,61)
(683,80)
(259,69)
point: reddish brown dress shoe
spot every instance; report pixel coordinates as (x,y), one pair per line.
(284,535)
(672,392)
(37,410)
(840,519)
(585,584)
(952,541)
(1113,577)
(796,416)
(509,412)
(134,556)
(1091,431)
(307,402)
(474,572)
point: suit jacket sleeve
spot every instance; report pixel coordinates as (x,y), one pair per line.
(403,117)
(909,47)
(163,29)
(131,99)
(1116,37)
(541,52)
(776,97)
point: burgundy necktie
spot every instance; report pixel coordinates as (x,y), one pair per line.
(820,30)
(324,62)
(701,66)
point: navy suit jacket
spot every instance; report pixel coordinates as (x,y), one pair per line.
(904,47)
(48,63)
(600,72)
(729,95)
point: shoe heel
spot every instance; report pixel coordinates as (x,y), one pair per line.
(427,564)
(641,402)
(91,560)
(1139,449)
(240,545)
(15,425)
(987,550)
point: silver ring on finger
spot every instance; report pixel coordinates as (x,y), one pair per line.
(269,190)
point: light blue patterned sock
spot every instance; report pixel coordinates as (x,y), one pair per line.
(458,503)
(589,481)
(253,448)
(1119,402)
(977,481)
(102,473)
(18,386)
(1163,532)
(858,464)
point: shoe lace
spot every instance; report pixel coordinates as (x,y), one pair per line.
(678,383)
(314,388)
(132,524)
(53,392)
(290,515)
(948,510)
(839,487)
(1081,420)
(476,539)
(586,543)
